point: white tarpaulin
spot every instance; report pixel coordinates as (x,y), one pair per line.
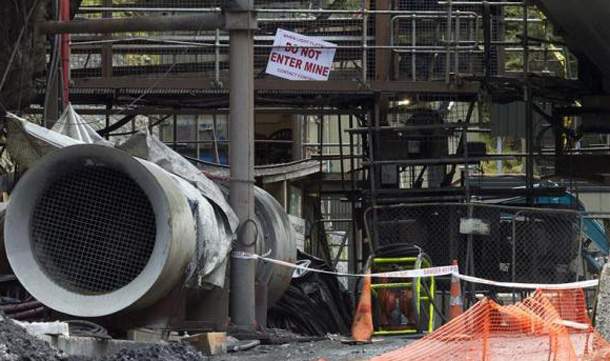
(299,57)
(215,220)
(28,142)
(74,126)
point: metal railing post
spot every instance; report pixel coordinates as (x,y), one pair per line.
(457,44)
(365,18)
(414,44)
(581,237)
(514,252)
(448,41)
(217,59)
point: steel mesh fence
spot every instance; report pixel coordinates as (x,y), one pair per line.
(337,224)
(499,243)
(414,40)
(546,246)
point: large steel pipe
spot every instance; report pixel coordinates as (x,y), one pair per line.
(196,22)
(277,240)
(91,231)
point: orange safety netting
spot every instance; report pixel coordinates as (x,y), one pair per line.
(549,325)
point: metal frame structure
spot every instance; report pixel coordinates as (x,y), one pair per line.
(454,51)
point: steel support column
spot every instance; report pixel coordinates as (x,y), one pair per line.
(241,24)
(382,38)
(529,119)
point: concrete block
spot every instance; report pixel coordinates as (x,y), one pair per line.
(45,328)
(90,347)
(211,343)
(145,335)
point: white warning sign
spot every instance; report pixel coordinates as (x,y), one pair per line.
(299,57)
(474,226)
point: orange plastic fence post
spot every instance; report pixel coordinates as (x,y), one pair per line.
(456,307)
(362,328)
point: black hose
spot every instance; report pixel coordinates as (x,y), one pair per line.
(398,250)
(84,328)
(28,315)
(20,307)
(434,305)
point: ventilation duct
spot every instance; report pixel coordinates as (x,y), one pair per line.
(91,231)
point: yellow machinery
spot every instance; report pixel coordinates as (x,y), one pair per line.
(402,306)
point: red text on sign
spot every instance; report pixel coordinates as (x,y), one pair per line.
(286,60)
(307,52)
(317,69)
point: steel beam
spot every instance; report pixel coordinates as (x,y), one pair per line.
(338,86)
(145,23)
(145,110)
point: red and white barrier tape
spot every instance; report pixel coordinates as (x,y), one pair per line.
(425,272)
(530,286)
(422,272)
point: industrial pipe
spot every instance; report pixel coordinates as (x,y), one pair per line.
(277,240)
(145,23)
(91,231)
(28,315)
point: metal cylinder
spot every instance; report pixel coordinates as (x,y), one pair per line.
(91,231)
(276,240)
(195,22)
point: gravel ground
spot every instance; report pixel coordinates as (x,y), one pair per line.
(18,345)
(327,350)
(169,352)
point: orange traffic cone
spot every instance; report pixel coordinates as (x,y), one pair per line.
(362,328)
(456,305)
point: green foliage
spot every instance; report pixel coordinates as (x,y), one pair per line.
(549,61)
(510,145)
(131,59)
(354,4)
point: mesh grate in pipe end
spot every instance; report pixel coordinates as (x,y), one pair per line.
(93,230)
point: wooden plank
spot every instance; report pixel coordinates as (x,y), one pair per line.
(210,343)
